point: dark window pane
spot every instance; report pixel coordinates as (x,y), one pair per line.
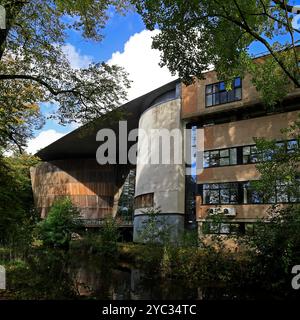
(256,197)
(223,97)
(216,98)
(231,96)
(238,94)
(206,196)
(217,94)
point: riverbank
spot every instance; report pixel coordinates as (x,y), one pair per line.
(133,270)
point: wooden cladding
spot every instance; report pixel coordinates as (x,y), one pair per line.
(144,201)
(91,187)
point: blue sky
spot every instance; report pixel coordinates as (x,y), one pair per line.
(126,43)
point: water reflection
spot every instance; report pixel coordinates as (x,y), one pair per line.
(58,275)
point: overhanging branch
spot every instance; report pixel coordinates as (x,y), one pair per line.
(38,80)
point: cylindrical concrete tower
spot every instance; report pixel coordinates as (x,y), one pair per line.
(160,184)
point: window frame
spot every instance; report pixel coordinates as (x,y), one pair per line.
(217,91)
(286,144)
(230,186)
(219,157)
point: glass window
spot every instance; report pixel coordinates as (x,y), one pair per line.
(209,100)
(250,154)
(237,82)
(220,193)
(216,158)
(217,94)
(209,89)
(292,146)
(233,156)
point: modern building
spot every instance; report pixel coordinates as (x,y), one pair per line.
(222,127)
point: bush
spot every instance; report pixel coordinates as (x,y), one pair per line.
(275,248)
(61,222)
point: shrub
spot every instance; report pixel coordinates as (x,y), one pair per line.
(61,222)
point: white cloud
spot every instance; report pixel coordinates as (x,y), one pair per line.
(77,60)
(42,140)
(140,61)
(142,64)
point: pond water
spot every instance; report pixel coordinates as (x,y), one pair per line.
(59,275)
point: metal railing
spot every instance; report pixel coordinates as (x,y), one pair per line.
(121,222)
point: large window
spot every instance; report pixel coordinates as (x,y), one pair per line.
(252,155)
(239,228)
(283,192)
(220,193)
(216,158)
(245,193)
(216,93)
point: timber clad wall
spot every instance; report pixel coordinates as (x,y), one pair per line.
(91,187)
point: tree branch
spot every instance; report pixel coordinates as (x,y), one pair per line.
(246,27)
(38,80)
(284,6)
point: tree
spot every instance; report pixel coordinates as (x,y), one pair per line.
(17,214)
(279,165)
(19,114)
(31,56)
(197,34)
(61,221)
(109,236)
(275,245)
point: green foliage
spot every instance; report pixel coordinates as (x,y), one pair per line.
(103,241)
(43,274)
(109,236)
(198,34)
(278,164)
(34,66)
(275,247)
(17,214)
(60,223)
(155,229)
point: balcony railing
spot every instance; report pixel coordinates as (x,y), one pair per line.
(121,222)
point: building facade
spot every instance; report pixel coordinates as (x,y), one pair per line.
(221,126)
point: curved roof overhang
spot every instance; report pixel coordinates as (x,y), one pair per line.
(81,143)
